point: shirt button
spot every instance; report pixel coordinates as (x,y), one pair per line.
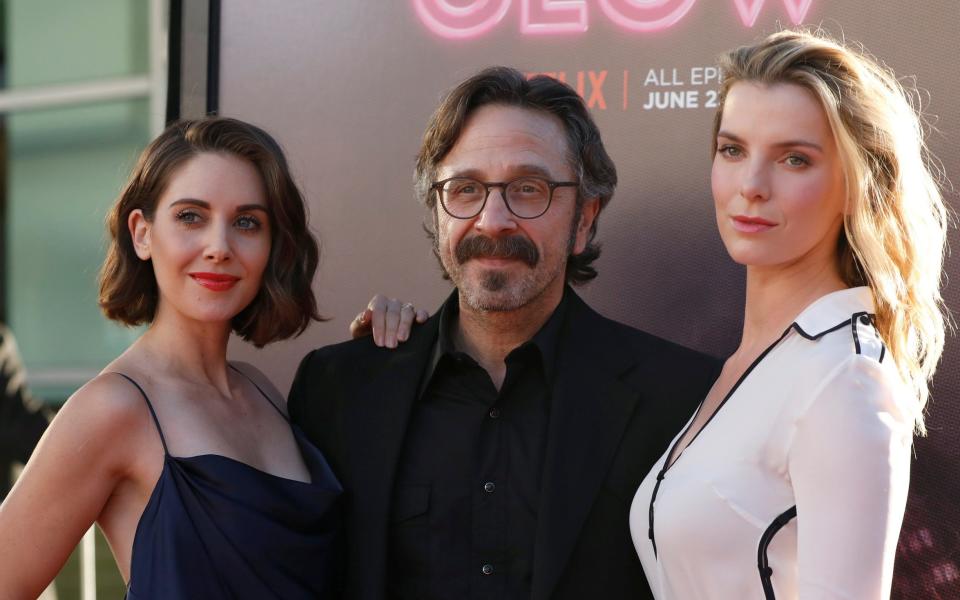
(487,569)
(494,413)
(489,486)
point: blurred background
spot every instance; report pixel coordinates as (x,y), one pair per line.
(346,87)
(82,90)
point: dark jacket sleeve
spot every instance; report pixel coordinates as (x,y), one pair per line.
(316,399)
(23,419)
(296,399)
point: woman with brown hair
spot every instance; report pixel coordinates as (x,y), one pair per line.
(186,461)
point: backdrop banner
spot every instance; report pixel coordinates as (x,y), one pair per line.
(347,88)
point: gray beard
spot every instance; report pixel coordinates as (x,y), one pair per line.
(494,293)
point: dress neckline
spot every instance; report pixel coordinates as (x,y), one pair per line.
(308,461)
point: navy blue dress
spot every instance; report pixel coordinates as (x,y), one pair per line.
(216,528)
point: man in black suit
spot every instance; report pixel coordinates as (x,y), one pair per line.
(496,453)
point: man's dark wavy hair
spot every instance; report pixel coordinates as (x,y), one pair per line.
(509,87)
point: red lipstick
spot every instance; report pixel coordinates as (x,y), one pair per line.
(746,224)
(217,282)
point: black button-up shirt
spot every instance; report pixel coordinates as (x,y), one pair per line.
(464,512)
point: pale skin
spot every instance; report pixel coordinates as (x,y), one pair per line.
(500,143)
(102,456)
(776,160)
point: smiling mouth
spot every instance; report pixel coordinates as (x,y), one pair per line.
(217,282)
(745,224)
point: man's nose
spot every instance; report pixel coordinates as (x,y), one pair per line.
(495,216)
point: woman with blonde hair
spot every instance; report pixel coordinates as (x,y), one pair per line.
(791,478)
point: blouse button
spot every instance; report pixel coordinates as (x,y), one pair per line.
(487,569)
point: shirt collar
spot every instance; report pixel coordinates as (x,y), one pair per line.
(548,337)
(833,310)
(545,340)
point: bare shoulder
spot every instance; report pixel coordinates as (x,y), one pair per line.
(109,406)
(94,446)
(261,381)
(109,399)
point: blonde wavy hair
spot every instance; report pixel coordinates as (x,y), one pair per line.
(895,222)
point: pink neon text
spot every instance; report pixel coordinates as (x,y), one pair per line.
(473,18)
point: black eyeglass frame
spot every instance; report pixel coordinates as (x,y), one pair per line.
(437,187)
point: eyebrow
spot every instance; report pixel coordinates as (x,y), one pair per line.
(783,144)
(521,170)
(206,205)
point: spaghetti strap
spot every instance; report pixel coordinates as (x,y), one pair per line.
(262,393)
(153,413)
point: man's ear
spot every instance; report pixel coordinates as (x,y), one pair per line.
(588,214)
(140,233)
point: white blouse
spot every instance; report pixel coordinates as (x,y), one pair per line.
(796,487)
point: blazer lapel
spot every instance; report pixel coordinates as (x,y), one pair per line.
(589,411)
(375,424)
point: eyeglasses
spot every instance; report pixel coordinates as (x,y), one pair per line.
(525,197)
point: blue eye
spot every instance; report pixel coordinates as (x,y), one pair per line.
(796,160)
(248,223)
(188,217)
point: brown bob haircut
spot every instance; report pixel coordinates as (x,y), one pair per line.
(285,304)
(509,87)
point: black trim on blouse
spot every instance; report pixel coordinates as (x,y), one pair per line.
(763,564)
(866,319)
(669,462)
(862,317)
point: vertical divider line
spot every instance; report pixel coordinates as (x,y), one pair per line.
(88,565)
(213,58)
(174,57)
(157,34)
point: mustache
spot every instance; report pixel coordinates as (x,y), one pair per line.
(511,247)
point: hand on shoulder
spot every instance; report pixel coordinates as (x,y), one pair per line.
(388,320)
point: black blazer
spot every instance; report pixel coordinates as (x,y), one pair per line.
(619,397)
